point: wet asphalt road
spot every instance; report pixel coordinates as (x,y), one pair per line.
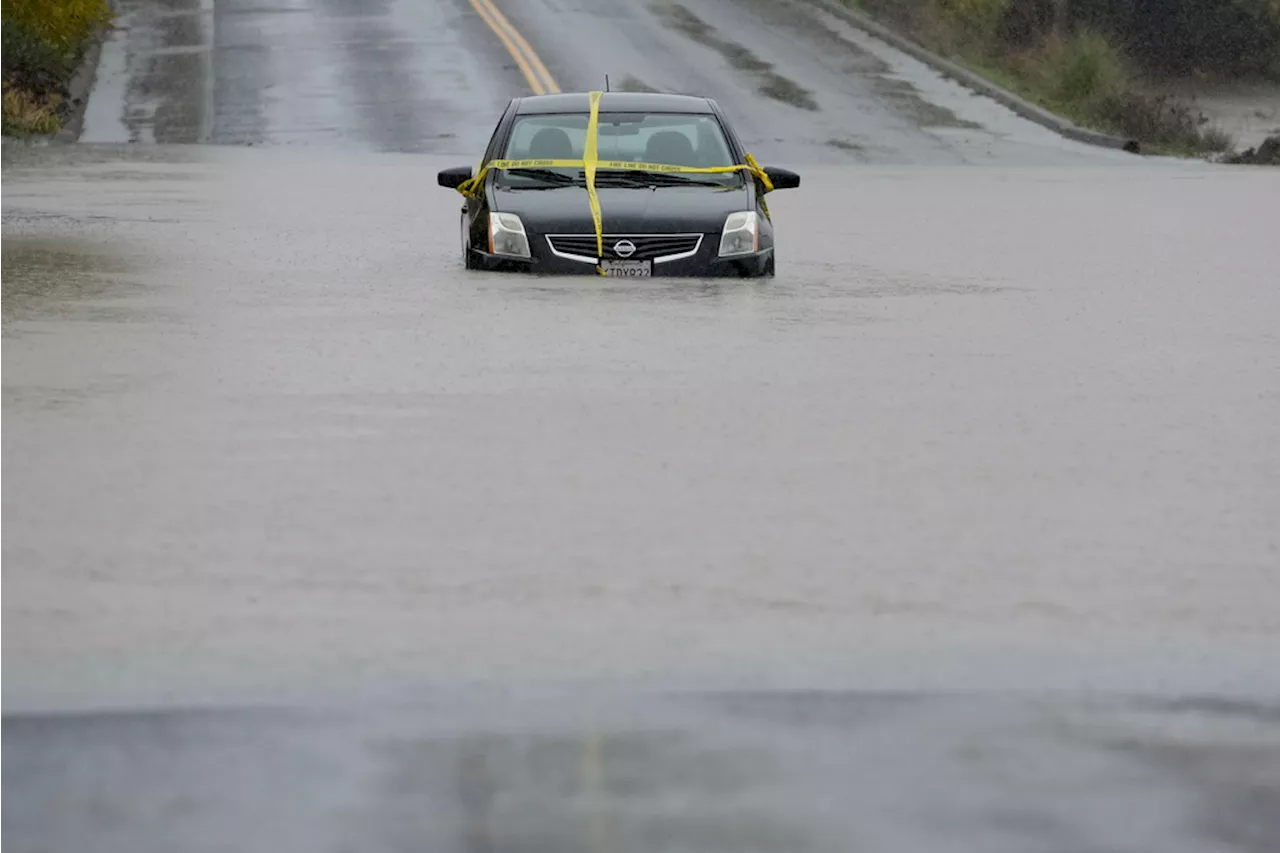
(958,535)
(712,773)
(405,75)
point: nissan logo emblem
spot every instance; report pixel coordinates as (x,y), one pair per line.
(624,248)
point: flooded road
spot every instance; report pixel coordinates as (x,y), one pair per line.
(960,534)
(262,431)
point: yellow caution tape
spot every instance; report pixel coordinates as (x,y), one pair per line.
(589,153)
(590,164)
(623,165)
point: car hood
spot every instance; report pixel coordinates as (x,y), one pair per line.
(565,210)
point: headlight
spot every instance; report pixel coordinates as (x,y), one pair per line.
(506,235)
(741,234)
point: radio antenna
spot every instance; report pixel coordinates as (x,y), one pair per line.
(606,82)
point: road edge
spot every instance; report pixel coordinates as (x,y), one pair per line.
(81,85)
(976,82)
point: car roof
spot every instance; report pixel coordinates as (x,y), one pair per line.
(623,102)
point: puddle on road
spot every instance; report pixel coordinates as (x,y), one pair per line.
(771,84)
(59,277)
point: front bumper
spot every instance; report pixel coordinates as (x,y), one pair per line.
(706,263)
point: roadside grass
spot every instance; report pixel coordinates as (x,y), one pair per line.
(25,115)
(1082,76)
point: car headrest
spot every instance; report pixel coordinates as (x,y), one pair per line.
(670,147)
(550,143)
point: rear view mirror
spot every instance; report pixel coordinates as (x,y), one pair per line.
(453,178)
(782,179)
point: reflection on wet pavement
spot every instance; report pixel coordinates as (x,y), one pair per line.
(47,277)
(795,771)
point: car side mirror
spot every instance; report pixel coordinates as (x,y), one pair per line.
(453,178)
(782,179)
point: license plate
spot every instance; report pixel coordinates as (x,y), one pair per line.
(627,269)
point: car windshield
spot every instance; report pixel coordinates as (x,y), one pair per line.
(673,139)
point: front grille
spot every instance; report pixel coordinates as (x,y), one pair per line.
(649,247)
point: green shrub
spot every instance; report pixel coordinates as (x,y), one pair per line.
(1082,67)
(31,63)
(64,25)
(976,21)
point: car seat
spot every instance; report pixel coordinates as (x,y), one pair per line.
(670,147)
(710,150)
(550,143)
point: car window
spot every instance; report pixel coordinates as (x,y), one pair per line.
(491,151)
(665,138)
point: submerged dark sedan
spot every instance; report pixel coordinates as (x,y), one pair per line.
(664,210)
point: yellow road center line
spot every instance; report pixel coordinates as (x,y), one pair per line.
(534,83)
(548,81)
(545,82)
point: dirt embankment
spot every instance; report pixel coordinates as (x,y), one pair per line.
(1265,154)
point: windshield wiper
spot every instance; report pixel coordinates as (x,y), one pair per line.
(630,177)
(606,178)
(648,178)
(546,175)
